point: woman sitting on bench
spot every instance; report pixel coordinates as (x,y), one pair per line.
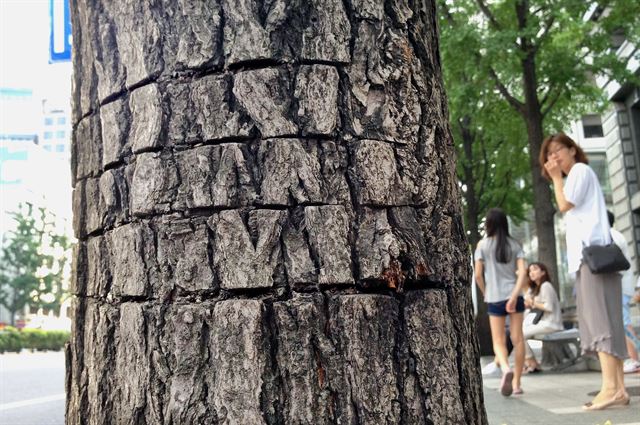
(543,297)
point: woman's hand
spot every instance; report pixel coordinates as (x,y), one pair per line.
(553,169)
(528,301)
(511,304)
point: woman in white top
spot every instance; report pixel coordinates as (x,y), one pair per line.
(541,296)
(597,295)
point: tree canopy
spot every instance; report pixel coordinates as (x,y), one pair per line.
(490,138)
(517,70)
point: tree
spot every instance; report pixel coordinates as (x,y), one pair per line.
(490,138)
(269,219)
(493,165)
(32,262)
(541,57)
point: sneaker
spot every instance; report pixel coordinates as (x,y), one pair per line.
(490,368)
(631,366)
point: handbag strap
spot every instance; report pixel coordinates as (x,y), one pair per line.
(610,237)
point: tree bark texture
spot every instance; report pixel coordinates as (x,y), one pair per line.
(251,181)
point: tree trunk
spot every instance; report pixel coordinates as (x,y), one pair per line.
(542,204)
(483,327)
(543,207)
(251,181)
(472,198)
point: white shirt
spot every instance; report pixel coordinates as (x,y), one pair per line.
(552,316)
(627,275)
(587,222)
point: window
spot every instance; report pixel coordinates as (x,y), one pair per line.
(617,38)
(48,135)
(592,126)
(48,121)
(61,121)
(59,148)
(60,134)
(47,148)
(598,162)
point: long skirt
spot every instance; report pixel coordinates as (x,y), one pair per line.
(599,305)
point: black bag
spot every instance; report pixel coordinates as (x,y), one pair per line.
(605,258)
(538,315)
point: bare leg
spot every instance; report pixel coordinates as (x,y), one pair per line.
(612,378)
(515,330)
(499,338)
(631,348)
(622,391)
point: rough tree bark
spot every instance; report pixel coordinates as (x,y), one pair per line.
(251,180)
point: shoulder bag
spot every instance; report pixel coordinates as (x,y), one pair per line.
(603,259)
(538,315)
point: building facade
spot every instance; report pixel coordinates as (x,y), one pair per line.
(34,159)
(611,141)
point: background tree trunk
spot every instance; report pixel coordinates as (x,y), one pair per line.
(483,328)
(543,207)
(251,178)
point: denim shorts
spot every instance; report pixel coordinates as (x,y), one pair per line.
(500,308)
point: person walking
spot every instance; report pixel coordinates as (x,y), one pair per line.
(541,296)
(500,274)
(630,365)
(598,296)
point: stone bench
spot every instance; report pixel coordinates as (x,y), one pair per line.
(560,350)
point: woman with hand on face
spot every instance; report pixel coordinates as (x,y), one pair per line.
(541,296)
(598,296)
(500,274)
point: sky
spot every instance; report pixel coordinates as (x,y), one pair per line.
(24,50)
(24,64)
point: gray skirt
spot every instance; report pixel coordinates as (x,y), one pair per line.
(599,305)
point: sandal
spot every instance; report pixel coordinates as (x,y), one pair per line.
(528,369)
(622,401)
(505,384)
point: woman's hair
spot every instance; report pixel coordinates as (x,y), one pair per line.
(496,224)
(535,289)
(564,140)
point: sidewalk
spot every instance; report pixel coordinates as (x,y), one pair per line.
(556,399)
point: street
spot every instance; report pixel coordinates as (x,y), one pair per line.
(32,388)
(32,393)
(556,399)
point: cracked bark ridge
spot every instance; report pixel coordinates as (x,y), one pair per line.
(434,351)
(136,43)
(252,179)
(276,172)
(365,329)
(248,256)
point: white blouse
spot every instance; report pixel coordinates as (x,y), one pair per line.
(587,222)
(552,316)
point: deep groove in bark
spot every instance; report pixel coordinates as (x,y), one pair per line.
(250,65)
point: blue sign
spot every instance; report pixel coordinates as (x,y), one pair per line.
(60,34)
